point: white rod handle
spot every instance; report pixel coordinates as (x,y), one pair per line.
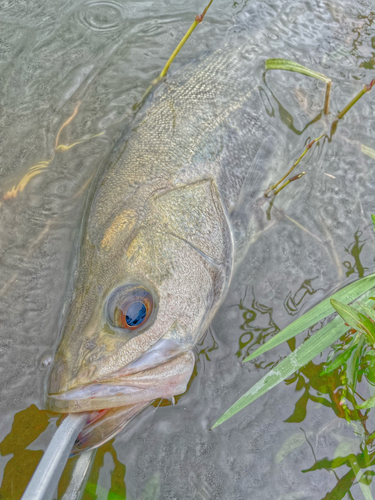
(46,477)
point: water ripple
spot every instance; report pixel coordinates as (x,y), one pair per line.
(101,15)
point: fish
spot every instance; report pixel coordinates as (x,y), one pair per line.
(168,220)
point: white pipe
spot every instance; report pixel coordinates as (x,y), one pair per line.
(46,478)
(80,475)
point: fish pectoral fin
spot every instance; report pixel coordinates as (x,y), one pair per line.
(195,213)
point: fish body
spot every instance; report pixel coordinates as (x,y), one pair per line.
(167,222)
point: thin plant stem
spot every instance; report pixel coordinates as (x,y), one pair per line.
(296,177)
(291,66)
(365,89)
(309,146)
(304,228)
(198,19)
(326,101)
(268,212)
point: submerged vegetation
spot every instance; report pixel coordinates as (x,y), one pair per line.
(345,382)
(286,65)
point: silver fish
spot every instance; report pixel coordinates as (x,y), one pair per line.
(168,221)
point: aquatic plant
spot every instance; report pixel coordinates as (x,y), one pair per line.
(313,346)
(287,65)
(333,383)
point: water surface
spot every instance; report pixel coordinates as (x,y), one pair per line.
(98,58)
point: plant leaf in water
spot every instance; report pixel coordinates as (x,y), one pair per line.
(317,313)
(369,152)
(100,492)
(356,319)
(367,310)
(352,370)
(358,474)
(287,65)
(293,442)
(369,403)
(368,370)
(367,477)
(298,358)
(353,318)
(340,360)
(363,459)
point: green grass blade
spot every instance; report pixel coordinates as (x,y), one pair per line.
(369,403)
(356,319)
(340,360)
(352,317)
(368,151)
(285,64)
(298,358)
(367,310)
(317,313)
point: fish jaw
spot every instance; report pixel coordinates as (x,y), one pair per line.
(105,425)
(114,402)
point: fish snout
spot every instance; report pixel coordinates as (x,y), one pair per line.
(112,403)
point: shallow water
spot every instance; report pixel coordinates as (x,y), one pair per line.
(103,55)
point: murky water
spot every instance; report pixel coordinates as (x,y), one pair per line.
(97,58)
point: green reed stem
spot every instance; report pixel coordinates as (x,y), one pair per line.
(295,178)
(272,188)
(365,89)
(198,19)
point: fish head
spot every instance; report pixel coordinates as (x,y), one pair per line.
(148,282)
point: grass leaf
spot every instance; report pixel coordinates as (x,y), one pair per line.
(367,310)
(356,319)
(340,360)
(287,65)
(313,346)
(352,317)
(352,368)
(298,358)
(369,403)
(317,313)
(369,152)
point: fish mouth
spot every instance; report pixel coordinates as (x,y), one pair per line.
(104,425)
(114,403)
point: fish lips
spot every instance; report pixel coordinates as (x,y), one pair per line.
(104,425)
(116,401)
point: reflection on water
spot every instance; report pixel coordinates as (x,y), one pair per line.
(104,54)
(354,250)
(106,478)
(255,334)
(294,302)
(43,164)
(27,426)
(117,489)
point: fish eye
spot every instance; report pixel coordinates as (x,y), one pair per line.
(129,307)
